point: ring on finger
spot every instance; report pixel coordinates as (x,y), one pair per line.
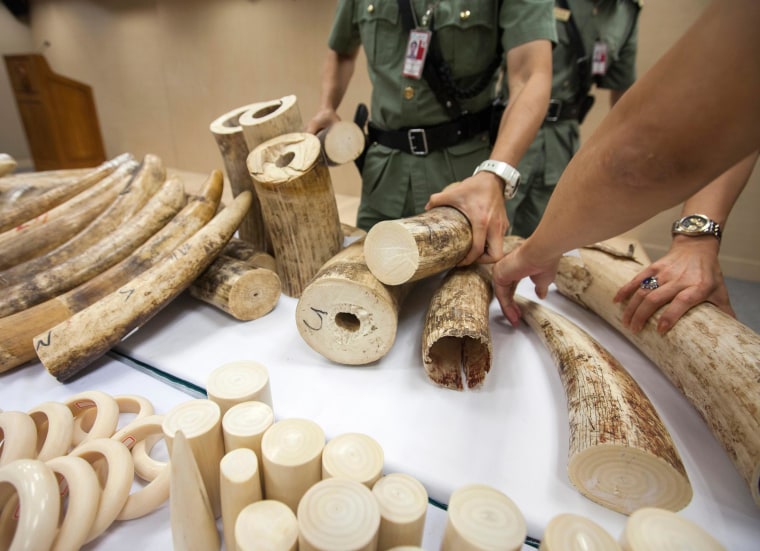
(650,283)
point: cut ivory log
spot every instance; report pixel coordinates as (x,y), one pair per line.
(413,248)
(238,288)
(653,529)
(342,142)
(26,208)
(403,502)
(621,455)
(346,314)
(568,532)
(7,164)
(712,358)
(161,208)
(245,251)
(144,185)
(17,331)
(55,226)
(70,346)
(299,207)
(456,336)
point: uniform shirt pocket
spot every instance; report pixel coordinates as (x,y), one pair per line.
(380,30)
(468,36)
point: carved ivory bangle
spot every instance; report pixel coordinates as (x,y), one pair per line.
(267,524)
(55,426)
(239,486)
(116,487)
(19,437)
(201,423)
(39,503)
(403,504)
(651,528)
(568,531)
(236,382)
(138,405)
(244,425)
(146,467)
(468,527)
(291,452)
(338,513)
(355,456)
(81,484)
(106,419)
(151,496)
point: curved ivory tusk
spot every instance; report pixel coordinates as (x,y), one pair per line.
(17,331)
(28,208)
(55,226)
(55,428)
(104,424)
(143,185)
(19,437)
(161,208)
(403,503)
(68,347)
(39,503)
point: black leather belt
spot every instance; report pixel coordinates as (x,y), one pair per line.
(424,140)
(562,111)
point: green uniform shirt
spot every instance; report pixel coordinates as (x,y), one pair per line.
(396,184)
(613,22)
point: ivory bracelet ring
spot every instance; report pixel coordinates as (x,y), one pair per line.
(156,491)
(18,434)
(39,503)
(81,484)
(55,427)
(118,481)
(106,419)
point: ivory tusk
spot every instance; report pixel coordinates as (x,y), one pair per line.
(245,251)
(17,331)
(88,334)
(7,164)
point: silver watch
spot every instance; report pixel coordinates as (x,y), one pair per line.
(503,170)
(695,225)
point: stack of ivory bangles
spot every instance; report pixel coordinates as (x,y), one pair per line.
(275,485)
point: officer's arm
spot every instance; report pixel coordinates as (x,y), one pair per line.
(336,75)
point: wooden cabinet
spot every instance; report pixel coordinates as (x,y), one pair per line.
(58,115)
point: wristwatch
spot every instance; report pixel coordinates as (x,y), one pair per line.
(695,225)
(503,170)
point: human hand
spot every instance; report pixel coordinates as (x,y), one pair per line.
(508,272)
(480,199)
(687,275)
(323,119)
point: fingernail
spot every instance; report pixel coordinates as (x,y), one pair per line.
(663,326)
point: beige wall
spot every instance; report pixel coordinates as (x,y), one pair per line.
(162,70)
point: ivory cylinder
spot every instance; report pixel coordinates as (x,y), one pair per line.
(291,452)
(338,513)
(265,120)
(298,205)
(244,425)
(569,532)
(654,529)
(192,519)
(403,504)
(266,524)
(237,382)
(240,486)
(479,518)
(342,142)
(355,456)
(201,423)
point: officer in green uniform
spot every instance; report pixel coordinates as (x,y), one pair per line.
(427,132)
(596,45)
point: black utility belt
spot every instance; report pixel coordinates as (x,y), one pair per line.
(568,111)
(424,140)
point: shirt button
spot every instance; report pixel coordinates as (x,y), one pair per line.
(371,8)
(408,92)
(464,15)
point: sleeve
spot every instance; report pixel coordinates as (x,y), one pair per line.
(622,73)
(344,35)
(526,20)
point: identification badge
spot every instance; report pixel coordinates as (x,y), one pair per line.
(599,63)
(416,52)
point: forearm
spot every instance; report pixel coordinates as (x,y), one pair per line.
(336,75)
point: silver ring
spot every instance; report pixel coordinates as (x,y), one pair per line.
(650,283)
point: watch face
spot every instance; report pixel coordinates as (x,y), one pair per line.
(694,222)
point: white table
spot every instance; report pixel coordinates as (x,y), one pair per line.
(511,434)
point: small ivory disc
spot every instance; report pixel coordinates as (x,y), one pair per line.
(403,504)
(236,382)
(338,513)
(266,525)
(568,532)
(355,456)
(391,252)
(480,518)
(653,529)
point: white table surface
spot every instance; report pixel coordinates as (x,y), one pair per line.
(511,434)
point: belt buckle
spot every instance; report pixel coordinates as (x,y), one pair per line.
(417,141)
(554,111)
